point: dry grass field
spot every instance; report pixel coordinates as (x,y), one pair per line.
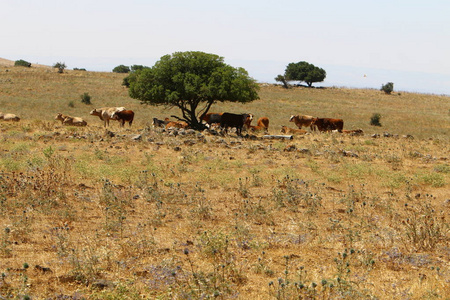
(137,213)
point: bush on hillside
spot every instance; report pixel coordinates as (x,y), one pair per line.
(388,88)
(22,63)
(375,119)
(86,99)
(121,69)
(126,82)
(79,69)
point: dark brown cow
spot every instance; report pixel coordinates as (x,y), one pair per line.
(233,120)
(159,123)
(327,124)
(124,116)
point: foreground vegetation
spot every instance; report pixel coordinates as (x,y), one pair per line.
(139,213)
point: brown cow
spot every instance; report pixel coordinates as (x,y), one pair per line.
(175,124)
(248,120)
(124,116)
(353,132)
(287,130)
(303,121)
(327,124)
(263,124)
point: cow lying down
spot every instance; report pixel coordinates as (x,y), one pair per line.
(71,121)
(9,117)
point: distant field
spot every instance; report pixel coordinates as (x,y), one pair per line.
(140,213)
(39,93)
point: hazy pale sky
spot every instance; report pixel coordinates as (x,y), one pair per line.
(403,41)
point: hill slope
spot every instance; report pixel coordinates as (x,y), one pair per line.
(142,213)
(23,90)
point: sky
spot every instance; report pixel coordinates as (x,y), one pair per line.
(360,44)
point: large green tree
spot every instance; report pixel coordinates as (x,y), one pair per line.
(192,81)
(303,71)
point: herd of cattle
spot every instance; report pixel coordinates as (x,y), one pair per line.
(243,121)
(224,121)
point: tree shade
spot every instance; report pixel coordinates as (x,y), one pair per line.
(192,81)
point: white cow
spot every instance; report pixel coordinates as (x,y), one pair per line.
(106,113)
(9,117)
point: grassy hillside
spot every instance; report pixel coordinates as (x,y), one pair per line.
(141,213)
(39,93)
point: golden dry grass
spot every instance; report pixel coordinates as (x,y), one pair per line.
(322,216)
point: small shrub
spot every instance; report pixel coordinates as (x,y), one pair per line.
(79,69)
(86,99)
(60,66)
(121,69)
(126,82)
(72,104)
(375,119)
(22,63)
(424,227)
(388,88)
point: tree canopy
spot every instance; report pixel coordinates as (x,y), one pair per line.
(303,71)
(192,81)
(121,69)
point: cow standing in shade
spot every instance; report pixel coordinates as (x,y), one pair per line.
(234,121)
(211,118)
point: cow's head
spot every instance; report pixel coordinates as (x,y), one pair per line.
(291,119)
(96,112)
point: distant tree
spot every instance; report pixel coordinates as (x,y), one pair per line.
(280,78)
(388,88)
(121,69)
(192,81)
(135,68)
(60,66)
(22,63)
(303,71)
